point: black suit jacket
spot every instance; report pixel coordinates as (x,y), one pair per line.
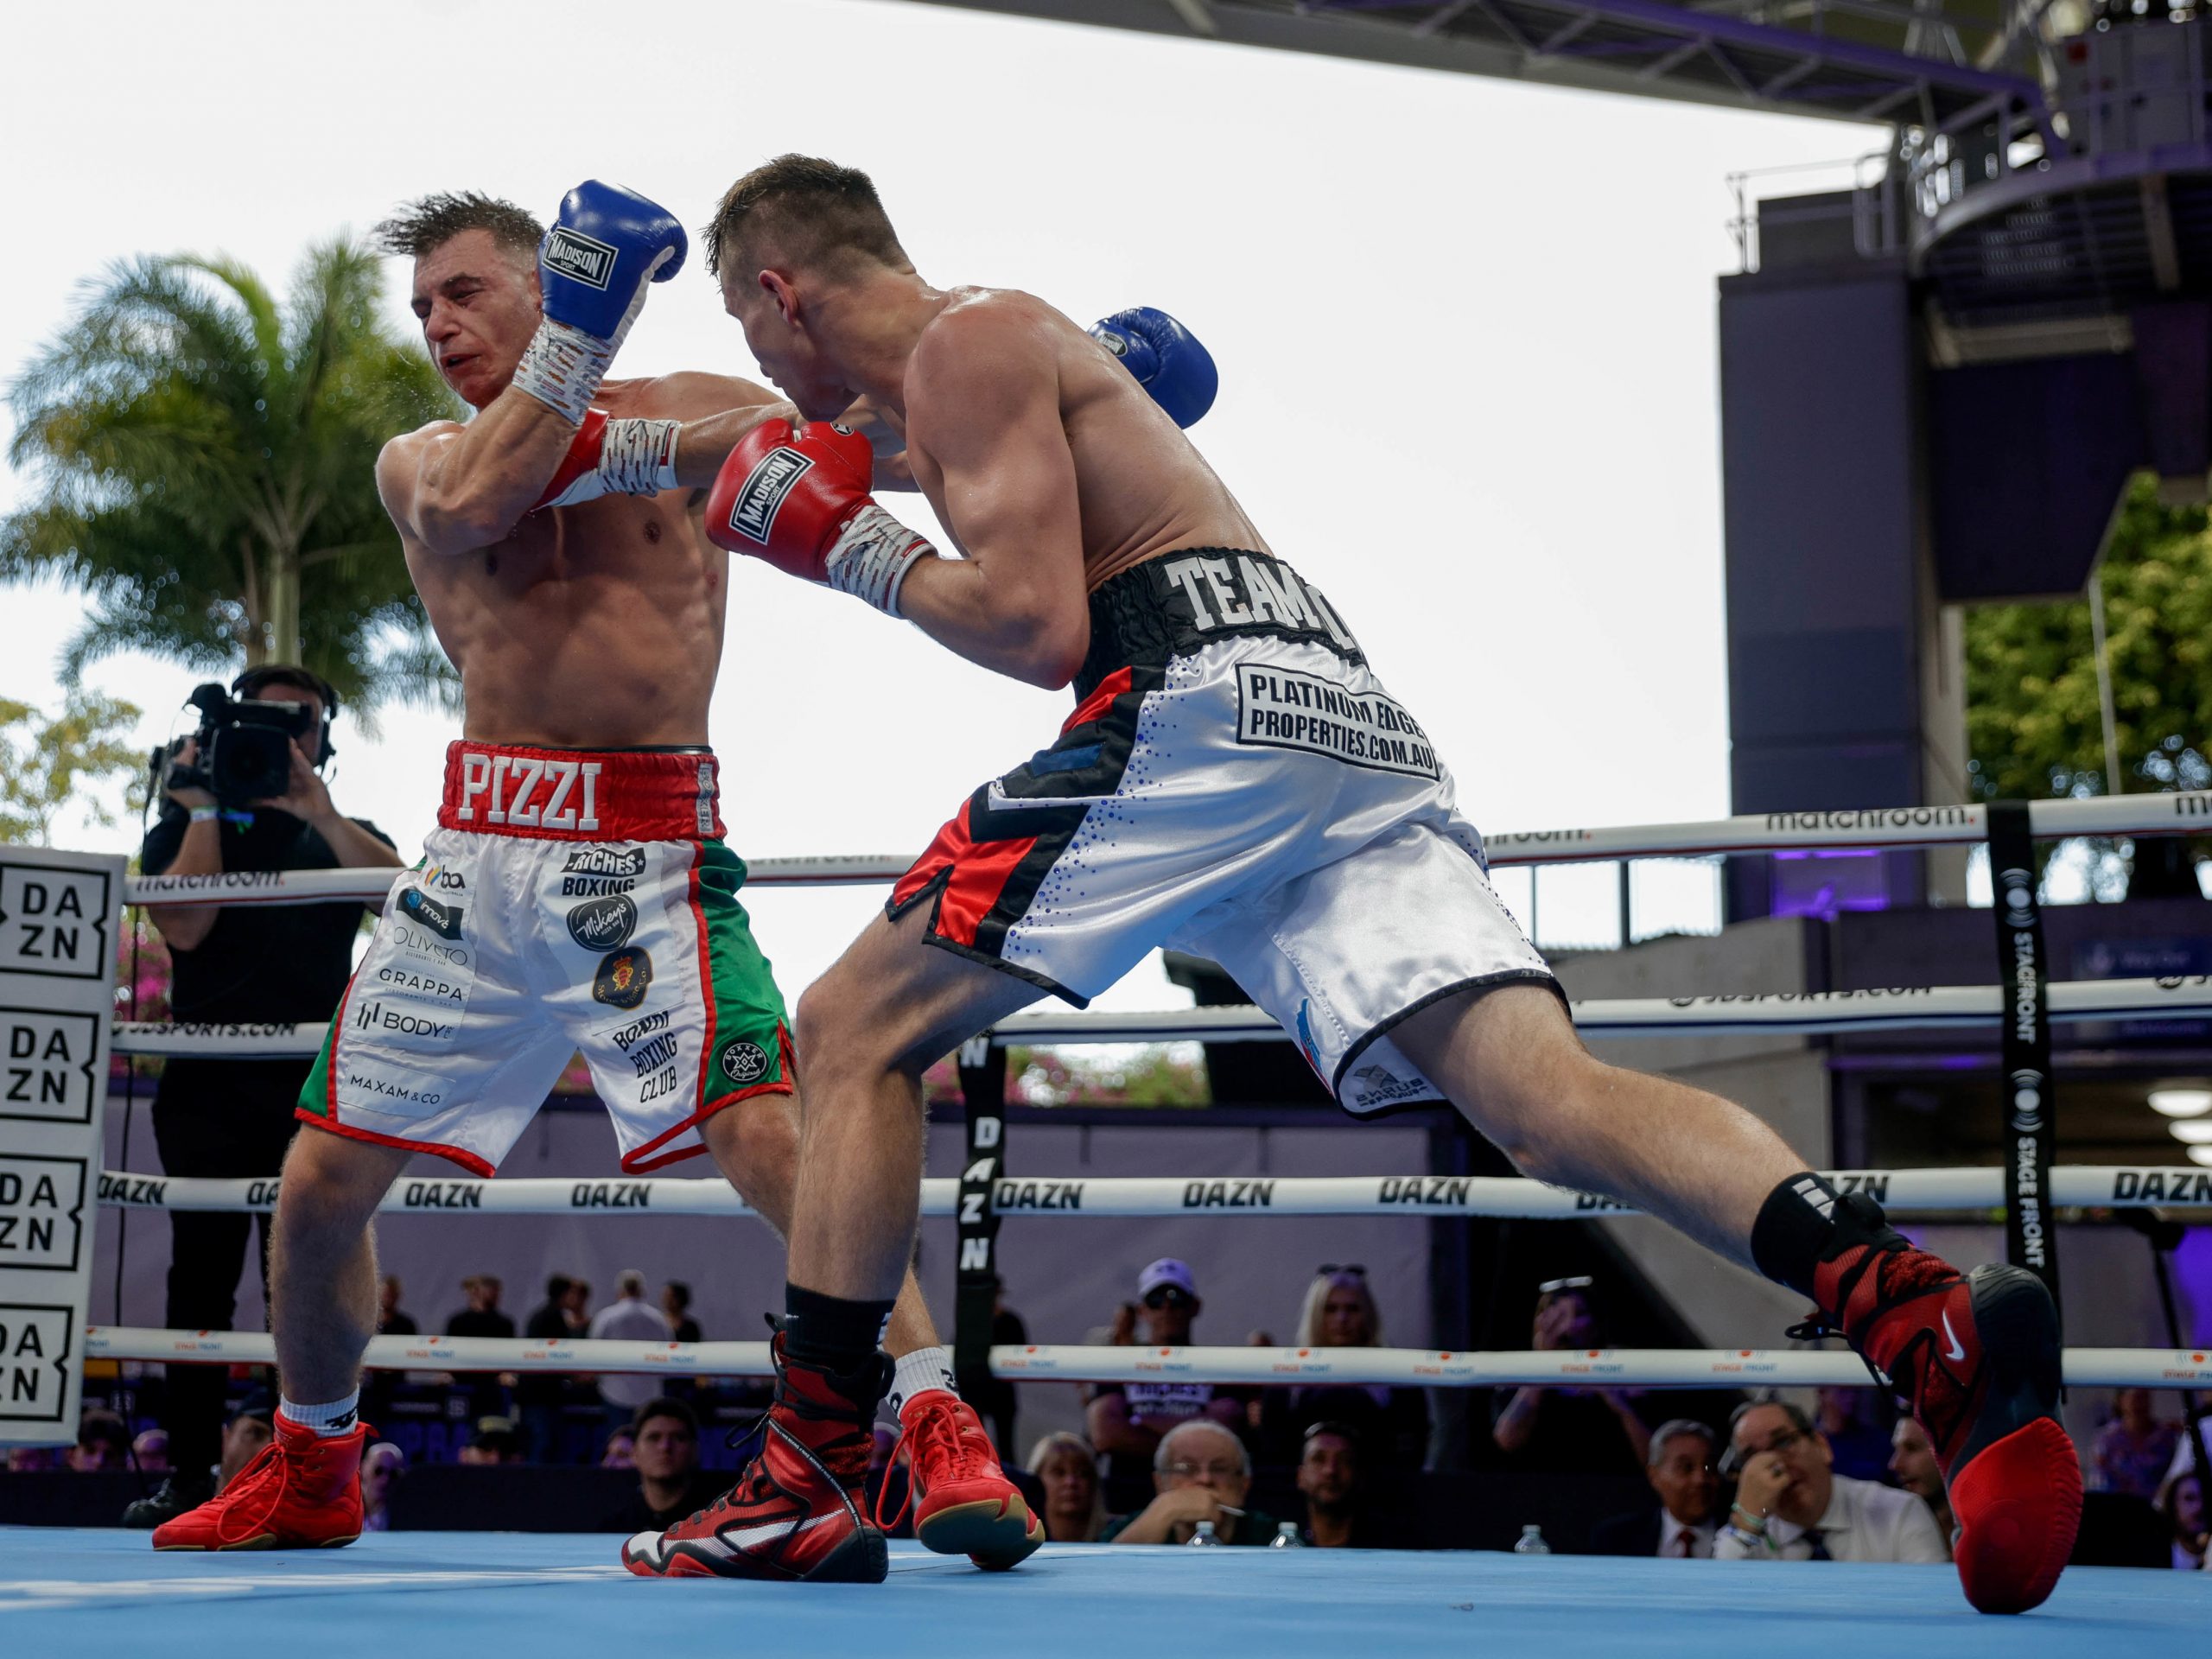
(1634,1534)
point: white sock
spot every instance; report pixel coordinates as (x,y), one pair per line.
(918,1373)
(339,1417)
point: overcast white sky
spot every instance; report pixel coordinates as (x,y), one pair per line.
(1466,330)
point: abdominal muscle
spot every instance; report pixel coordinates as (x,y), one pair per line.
(596,626)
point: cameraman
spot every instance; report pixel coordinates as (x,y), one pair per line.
(283,962)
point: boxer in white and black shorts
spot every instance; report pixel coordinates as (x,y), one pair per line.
(1234,782)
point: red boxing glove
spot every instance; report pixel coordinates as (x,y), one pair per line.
(799,498)
(613,458)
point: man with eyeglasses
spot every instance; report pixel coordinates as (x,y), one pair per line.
(1200,1473)
(1129,1422)
(1792,1506)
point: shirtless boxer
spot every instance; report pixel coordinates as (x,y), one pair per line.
(1234,781)
(576,894)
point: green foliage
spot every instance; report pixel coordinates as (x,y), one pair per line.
(46,762)
(205,458)
(1144,1074)
(2033,728)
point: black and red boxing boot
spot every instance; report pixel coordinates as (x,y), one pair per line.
(796,1512)
(1975,1358)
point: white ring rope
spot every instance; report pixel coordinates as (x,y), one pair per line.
(2180,813)
(1902,1191)
(1659,1367)
(1773,1014)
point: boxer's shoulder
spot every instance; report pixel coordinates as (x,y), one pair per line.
(986,341)
(397,460)
(688,395)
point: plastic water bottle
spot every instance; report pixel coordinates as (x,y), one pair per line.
(1531,1543)
(1287,1537)
(1202,1536)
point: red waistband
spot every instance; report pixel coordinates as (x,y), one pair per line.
(504,789)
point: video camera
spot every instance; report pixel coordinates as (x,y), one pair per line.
(244,742)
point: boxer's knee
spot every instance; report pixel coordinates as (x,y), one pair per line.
(841,1035)
(332,1185)
(756,1144)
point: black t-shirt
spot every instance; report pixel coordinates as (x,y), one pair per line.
(488,1323)
(703,1488)
(259,962)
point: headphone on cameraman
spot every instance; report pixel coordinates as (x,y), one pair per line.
(249,685)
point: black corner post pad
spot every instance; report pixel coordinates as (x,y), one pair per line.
(982,1087)
(2028,1100)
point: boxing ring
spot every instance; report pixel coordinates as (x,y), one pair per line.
(485,1593)
(64,1590)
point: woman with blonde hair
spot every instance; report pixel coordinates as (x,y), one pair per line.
(1075,1497)
(1338,1311)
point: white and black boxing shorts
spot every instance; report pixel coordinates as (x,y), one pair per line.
(1235,782)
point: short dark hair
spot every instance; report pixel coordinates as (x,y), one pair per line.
(255,681)
(813,212)
(557,1286)
(431,221)
(666,1405)
(680,1290)
(1798,1420)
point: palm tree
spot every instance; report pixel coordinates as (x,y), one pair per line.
(205,466)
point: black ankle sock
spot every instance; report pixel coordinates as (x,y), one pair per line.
(830,1331)
(1805,1222)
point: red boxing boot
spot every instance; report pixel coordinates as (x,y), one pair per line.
(963,1503)
(795,1511)
(1976,1358)
(302,1490)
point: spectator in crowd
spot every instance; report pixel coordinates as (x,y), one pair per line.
(103,1442)
(670,1483)
(1856,1428)
(245,1436)
(150,1452)
(628,1318)
(378,1387)
(1680,1470)
(1328,1478)
(1570,1430)
(2134,1449)
(483,1317)
(233,1117)
(676,1309)
(1075,1497)
(1201,1472)
(620,1452)
(2181,1500)
(1129,1422)
(30,1459)
(1912,1461)
(539,1396)
(494,1441)
(383,1466)
(392,1320)
(1791,1505)
(1391,1425)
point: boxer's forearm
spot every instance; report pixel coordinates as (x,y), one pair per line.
(472,484)
(1026,630)
(702,446)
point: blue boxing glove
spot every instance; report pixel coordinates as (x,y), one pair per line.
(607,247)
(1166,358)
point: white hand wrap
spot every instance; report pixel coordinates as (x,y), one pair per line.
(639,457)
(563,367)
(872,555)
